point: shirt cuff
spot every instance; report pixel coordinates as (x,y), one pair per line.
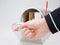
(50,24)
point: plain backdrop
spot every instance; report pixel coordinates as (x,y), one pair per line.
(11,11)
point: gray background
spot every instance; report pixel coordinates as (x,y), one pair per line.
(10,12)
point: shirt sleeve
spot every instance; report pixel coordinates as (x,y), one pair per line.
(56,16)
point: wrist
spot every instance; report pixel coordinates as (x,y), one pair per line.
(45,25)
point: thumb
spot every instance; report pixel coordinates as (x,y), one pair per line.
(24,25)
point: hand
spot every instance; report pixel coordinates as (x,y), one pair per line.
(35,29)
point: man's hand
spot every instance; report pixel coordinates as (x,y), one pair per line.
(35,29)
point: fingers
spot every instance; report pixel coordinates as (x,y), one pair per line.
(29,34)
(25,31)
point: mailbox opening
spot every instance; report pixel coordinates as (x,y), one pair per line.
(28,14)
